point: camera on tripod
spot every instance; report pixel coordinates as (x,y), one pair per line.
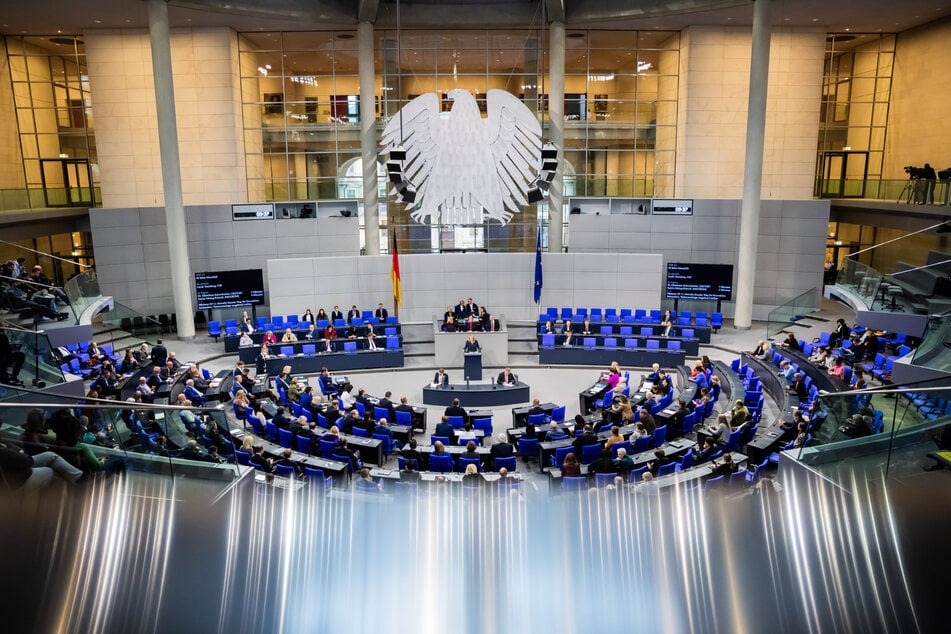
(914,173)
(945,175)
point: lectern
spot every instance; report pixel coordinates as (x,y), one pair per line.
(472,366)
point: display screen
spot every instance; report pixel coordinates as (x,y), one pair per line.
(667,207)
(224,289)
(699,281)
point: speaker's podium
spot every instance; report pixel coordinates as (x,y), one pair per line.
(472,366)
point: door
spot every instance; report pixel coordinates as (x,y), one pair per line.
(843,174)
(67,182)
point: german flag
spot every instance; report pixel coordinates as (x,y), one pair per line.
(395,273)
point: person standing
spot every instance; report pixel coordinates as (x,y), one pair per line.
(928,180)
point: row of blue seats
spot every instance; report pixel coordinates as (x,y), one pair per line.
(548,341)
(232,328)
(627,315)
(628,331)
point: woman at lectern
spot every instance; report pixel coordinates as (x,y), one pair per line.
(472,345)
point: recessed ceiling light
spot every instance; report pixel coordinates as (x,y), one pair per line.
(98,21)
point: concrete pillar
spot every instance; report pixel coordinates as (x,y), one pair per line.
(171,168)
(368,141)
(753,168)
(556,132)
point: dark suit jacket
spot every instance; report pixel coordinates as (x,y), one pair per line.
(353,314)
(159,355)
(472,346)
(584,440)
(445,430)
(501,450)
(335,314)
(502,378)
(452,410)
(445,379)
(381,314)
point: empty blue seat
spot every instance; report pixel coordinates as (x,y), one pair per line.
(653,344)
(588,342)
(610,342)
(673,344)
(558,414)
(559,458)
(349,346)
(214,329)
(440,464)
(647,331)
(392,343)
(630,343)
(309,348)
(527,447)
(687,333)
(573,483)
(590,453)
(548,341)
(287,351)
(508,462)
(626,331)
(607,330)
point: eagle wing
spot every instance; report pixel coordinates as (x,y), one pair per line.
(515,137)
(417,128)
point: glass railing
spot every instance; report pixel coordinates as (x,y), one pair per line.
(792,311)
(83,290)
(877,430)
(121,319)
(934,351)
(859,279)
(37,366)
(110,436)
(16,199)
(904,191)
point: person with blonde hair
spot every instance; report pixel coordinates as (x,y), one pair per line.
(248,443)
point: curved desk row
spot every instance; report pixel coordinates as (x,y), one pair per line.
(477,394)
(628,357)
(231,341)
(690,345)
(637,328)
(249,354)
(335,361)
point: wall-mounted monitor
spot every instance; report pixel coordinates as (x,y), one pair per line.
(699,281)
(228,289)
(672,207)
(259,211)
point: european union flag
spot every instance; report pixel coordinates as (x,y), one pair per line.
(538,266)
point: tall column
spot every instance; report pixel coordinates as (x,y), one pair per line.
(556,117)
(171,168)
(368,142)
(753,168)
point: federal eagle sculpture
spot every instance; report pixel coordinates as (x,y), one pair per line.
(463,166)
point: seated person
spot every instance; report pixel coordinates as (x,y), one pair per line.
(506,377)
(450,324)
(322,315)
(259,459)
(570,468)
(335,314)
(330,334)
(351,332)
(245,341)
(381,313)
(371,337)
(269,338)
(586,326)
(604,463)
(760,350)
(548,329)
(660,459)
(786,370)
(790,342)
(352,314)
(709,448)
(287,460)
(739,414)
(726,466)
(17,300)
(366,483)
(838,368)
(654,376)
(311,331)
(623,463)
(859,424)
(720,430)
(501,449)
(798,387)
(471,451)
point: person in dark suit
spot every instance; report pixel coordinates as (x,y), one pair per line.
(660,459)
(441,378)
(488,322)
(554,429)
(472,308)
(411,453)
(332,414)
(404,406)
(460,310)
(336,314)
(159,354)
(258,458)
(506,377)
(799,388)
(472,345)
(456,410)
(444,429)
(536,407)
(343,450)
(381,312)
(387,404)
(352,314)
(288,461)
(587,437)
(501,449)
(725,467)
(709,448)
(297,425)
(604,463)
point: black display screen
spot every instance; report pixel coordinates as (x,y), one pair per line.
(226,289)
(699,281)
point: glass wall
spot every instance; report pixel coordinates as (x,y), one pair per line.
(301,110)
(856,88)
(54,120)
